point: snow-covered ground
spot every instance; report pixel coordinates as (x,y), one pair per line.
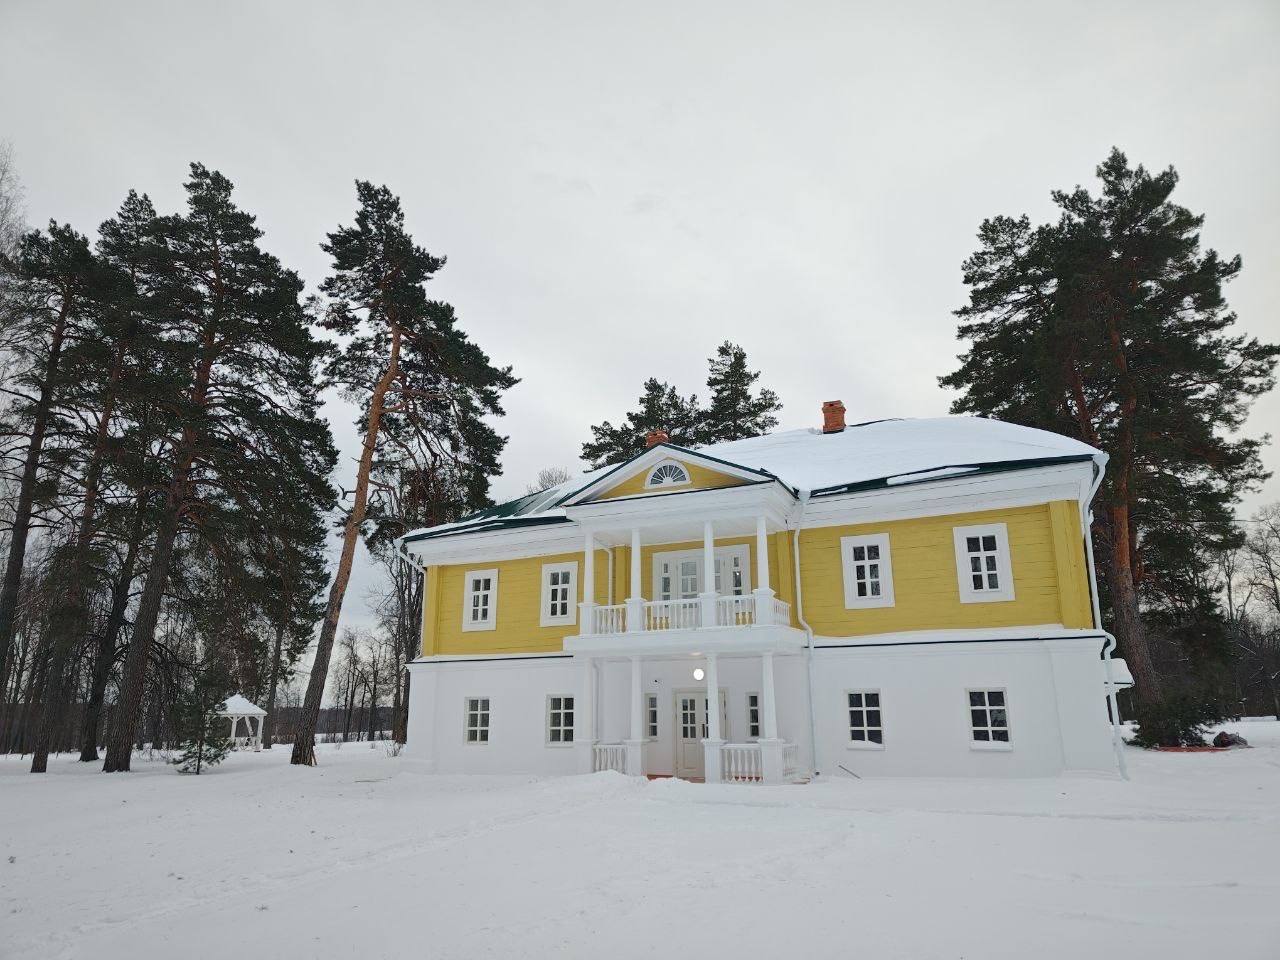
(258,859)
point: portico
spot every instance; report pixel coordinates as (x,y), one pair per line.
(690,611)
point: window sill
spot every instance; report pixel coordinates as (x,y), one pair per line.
(478,628)
(860,745)
(996,598)
(558,623)
(990,747)
(559,746)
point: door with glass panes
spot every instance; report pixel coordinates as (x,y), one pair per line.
(691,729)
(679,575)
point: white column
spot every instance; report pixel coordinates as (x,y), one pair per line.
(711,745)
(587,621)
(635,743)
(584,717)
(635,602)
(708,595)
(768,703)
(762,593)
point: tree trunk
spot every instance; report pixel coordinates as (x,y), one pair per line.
(120,737)
(268,722)
(373,702)
(110,635)
(304,739)
(70,623)
(26,494)
(1130,633)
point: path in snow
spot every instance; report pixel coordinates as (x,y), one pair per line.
(262,859)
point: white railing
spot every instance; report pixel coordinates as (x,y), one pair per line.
(740,763)
(790,761)
(610,619)
(781,612)
(656,615)
(738,611)
(609,756)
(672,614)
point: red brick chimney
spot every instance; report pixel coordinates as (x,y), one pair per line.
(832,416)
(654,437)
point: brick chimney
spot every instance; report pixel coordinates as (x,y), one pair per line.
(654,437)
(832,416)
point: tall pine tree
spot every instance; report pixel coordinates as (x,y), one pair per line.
(661,407)
(1110,326)
(237,398)
(424,387)
(735,411)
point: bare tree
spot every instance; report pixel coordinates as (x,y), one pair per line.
(547,478)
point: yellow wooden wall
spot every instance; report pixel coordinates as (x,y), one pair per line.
(1050,582)
(700,478)
(519,612)
(1047,557)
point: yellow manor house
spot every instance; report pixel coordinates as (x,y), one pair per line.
(902,597)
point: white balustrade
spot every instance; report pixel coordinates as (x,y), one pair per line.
(672,614)
(737,611)
(655,615)
(740,763)
(609,756)
(610,619)
(790,761)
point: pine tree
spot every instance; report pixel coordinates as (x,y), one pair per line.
(424,386)
(202,731)
(236,400)
(1110,326)
(661,408)
(735,413)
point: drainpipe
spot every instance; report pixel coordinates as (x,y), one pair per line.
(1086,516)
(795,553)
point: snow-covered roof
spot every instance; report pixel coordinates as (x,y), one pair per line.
(238,706)
(879,453)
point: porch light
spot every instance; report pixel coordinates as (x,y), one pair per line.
(699,673)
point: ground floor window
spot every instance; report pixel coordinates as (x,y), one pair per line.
(559,719)
(753,716)
(988,716)
(477,719)
(651,719)
(866,723)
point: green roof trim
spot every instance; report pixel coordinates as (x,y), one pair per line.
(484,525)
(974,470)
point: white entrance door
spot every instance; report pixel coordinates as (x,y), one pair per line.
(691,730)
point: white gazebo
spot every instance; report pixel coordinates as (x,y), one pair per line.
(238,708)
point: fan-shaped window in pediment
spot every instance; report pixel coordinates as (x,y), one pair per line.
(667,474)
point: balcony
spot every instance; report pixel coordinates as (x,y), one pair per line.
(654,616)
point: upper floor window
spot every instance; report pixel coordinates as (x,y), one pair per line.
(667,474)
(982,563)
(559,593)
(868,571)
(480,600)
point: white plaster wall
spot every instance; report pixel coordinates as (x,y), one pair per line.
(517,690)
(1057,711)
(1054,691)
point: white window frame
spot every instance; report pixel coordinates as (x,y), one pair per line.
(651,716)
(468,595)
(546,618)
(727,553)
(851,599)
(866,727)
(565,729)
(482,730)
(1004,563)
(648,479)
(756,723)
(986,708)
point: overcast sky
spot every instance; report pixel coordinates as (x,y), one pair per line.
(620,187)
